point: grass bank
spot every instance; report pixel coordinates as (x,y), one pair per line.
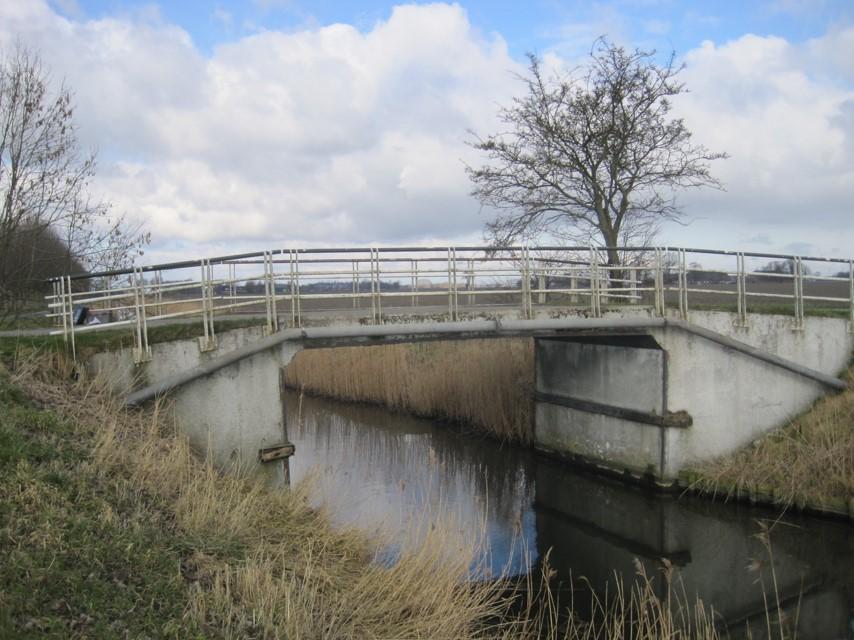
(111,526)
(487,384)
(807,463)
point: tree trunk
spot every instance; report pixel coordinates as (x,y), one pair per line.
(613,261)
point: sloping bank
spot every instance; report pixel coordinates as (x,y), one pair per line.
(488,383)
(110,527)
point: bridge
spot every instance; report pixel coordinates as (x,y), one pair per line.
(674,356)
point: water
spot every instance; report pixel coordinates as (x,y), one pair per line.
(383,472)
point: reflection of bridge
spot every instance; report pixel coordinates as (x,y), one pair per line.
(632,373)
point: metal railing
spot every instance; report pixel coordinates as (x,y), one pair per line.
(294,286)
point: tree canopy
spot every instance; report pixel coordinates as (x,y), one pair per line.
(594,157)
(49,222)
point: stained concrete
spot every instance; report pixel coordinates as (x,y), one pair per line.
(731,396)
(229,414)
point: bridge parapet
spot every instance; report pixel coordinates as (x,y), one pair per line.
(294,288)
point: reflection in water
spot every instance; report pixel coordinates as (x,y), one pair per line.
(379,470)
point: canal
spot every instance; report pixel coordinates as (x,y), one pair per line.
(393,475)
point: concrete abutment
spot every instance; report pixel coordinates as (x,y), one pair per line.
(647,396)
(656,401)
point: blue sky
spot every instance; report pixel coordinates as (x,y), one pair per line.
(536,25)
(227,126)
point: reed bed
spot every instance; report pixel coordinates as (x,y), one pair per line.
(235,559)
(810,461)
(487,384)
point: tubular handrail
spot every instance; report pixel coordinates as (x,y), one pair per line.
(286,284)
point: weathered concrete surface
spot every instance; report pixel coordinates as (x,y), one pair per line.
(621,374)
(731,396)
(228,415)
(824,344)
(167,358)
(604,441)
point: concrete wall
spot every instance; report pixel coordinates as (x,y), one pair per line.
(228,415)
(731,397)
(825,344)
(622,374)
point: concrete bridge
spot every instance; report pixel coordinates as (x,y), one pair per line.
(630,376)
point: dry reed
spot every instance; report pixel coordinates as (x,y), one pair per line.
(260,563)
(487,384)
(809,461)
(263,564)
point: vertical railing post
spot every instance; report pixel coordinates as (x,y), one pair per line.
(268,295)
(158,291)
(851,296)
(741,290)
(70,304)
(798,280)
(633,284)
(291,279)
(541,284)
(595,299)
(470,282)
(378,316)
(208,342)
(682,284)
(659,282)
(453,302)
(526,283)
(295,301)
(142,353)
(413,287)
(355,274)
(573,284)
(232,283)
(62,310)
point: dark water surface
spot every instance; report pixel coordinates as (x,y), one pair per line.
(383,471)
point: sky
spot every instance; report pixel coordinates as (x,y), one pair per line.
(227,126)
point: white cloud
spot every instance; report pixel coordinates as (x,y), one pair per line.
(789,128)
(325,135)
(342,135)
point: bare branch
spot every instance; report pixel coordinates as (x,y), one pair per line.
(596,157)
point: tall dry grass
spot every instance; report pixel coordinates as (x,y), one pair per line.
(262,563)
(485,383)
(810,461)
(259,563)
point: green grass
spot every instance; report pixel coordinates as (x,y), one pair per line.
(80,555)
(107,340)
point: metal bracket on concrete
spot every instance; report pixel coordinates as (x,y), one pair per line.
(276,452)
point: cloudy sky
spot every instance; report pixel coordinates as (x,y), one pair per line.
(229,125)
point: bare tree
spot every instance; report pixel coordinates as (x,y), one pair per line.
(44,186)
(591,159)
